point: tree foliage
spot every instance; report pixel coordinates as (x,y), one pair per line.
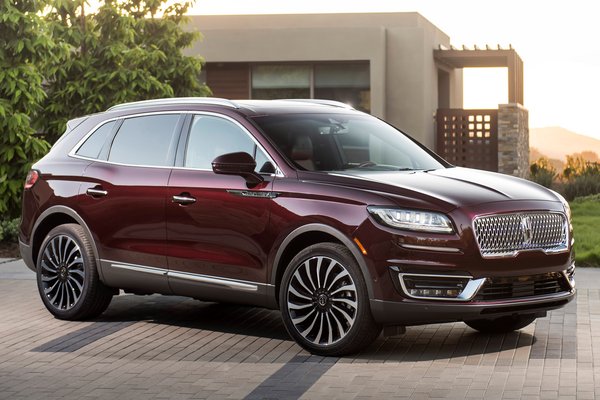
(58,61)
(126,50)
(24,45)
(582,177)
(542,172)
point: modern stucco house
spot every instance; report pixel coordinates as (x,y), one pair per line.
(397,66)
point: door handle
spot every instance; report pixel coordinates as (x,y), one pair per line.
(184,199)
(96,192)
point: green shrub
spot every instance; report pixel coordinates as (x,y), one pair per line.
(582,185)
(542,172)
(9,230)
(586,217)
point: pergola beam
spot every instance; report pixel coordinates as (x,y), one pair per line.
(487,58)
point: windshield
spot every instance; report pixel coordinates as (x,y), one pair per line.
(338,142)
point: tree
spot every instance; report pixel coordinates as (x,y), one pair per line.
(576,165)
(24,44)
(542,172)
(125,51)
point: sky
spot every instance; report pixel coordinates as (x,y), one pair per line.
(557,40)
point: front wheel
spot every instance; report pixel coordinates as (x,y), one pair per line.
(67,276)
(501,325)
(324,301)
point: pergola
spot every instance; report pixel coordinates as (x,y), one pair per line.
(489,57)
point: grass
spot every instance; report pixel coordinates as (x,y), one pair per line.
(586,229)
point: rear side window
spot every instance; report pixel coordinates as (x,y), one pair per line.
(93,145)
(149,141)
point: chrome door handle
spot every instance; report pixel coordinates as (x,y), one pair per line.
(184,199)
(96,192)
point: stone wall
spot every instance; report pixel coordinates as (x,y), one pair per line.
(513,140)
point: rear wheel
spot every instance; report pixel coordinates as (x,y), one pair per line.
(324,301)
(503,324)
(67,275)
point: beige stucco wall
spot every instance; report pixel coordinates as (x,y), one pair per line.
(398,46)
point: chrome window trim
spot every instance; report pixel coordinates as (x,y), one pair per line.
(75,148)
(514,253)
(467,293)
(278,172)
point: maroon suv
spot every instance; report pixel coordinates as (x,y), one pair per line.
(331,215)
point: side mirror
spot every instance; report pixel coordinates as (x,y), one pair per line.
(241,164)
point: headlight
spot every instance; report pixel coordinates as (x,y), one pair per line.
(412,220)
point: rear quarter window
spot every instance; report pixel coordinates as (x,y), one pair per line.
(93,144)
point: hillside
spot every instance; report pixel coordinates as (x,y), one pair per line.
(557,142)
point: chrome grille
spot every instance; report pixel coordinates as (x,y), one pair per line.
(505,235)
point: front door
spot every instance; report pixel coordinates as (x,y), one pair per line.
(218,232)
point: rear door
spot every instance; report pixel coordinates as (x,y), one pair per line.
(123,200)
(217,227)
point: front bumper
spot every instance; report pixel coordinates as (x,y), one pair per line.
(417,312)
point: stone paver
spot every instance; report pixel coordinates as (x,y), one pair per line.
(160,347)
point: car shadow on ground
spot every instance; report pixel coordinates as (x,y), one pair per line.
(419,343)
(196,314)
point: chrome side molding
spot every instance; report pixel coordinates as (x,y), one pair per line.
(205,279)
(211,280)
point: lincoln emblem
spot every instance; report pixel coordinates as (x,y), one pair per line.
(526,229)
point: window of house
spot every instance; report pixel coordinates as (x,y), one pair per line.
(348,82)
(211,137)
(281,81)
(93,144)
(147,140)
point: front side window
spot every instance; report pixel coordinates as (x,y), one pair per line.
(147,140)
(93,144)
(337,142)
(211,136)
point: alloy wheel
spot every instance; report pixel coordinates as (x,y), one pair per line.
(62,272)
(322,300)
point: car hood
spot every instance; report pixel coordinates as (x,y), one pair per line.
(456,187)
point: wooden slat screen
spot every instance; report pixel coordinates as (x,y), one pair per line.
(468,138)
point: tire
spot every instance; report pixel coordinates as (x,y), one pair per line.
(324,301)
(67,275)
(501,325)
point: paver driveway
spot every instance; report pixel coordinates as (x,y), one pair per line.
(155,347)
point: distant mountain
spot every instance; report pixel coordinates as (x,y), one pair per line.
(557,142)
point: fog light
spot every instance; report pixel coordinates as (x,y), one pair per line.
(434,292)
(426,286)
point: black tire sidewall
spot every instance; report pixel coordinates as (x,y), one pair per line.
(76,233)
(348,344)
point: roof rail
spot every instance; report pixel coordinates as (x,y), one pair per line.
(331,103)
(175,100)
